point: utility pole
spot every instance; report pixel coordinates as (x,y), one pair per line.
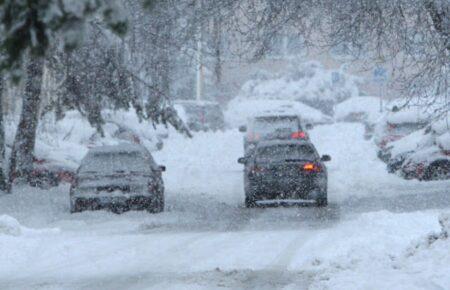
(199,77)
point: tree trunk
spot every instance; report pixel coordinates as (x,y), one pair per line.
(21,163)
(2,140)
(217,34)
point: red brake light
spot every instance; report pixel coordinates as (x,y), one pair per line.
(257,169)
(311,167)
(298,135)
(253,136)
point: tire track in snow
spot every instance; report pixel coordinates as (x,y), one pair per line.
(285,258)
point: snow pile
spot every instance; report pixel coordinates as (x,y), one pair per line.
(9,226)
(441,125)
(362,108)
(443,141)
(375,258)
(399,111)
(408,143)
(240,110)
(308,82)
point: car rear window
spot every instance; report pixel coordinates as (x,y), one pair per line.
(271,124)
(285,152)
(110,162)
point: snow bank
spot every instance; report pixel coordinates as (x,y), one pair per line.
(376,256)
(9,226)
(309,82)
(408,143)
(399,111)
(443,141)
(367,107)
(240,109)
(442,125)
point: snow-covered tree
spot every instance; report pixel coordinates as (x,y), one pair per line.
(30,27)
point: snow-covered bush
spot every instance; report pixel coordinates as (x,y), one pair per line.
(309,82)
(429,240)
(69,139)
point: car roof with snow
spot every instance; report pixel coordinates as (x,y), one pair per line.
(270,143)
(240,110)
(277,114)
(121,148)
(196,102)
(399,113)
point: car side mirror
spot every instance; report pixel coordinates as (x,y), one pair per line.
(325,158)
(309,126)
(243,129)
(162,168)
(242,160)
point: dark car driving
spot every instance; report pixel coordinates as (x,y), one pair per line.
(285,172)
(120,178)
(272,127)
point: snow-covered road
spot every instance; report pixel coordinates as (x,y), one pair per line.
(372,236)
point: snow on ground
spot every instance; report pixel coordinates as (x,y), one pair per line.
(372,236)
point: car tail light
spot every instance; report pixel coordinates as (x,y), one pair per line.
(391,127)
(257,169)
(253,136)
(136,139)
(311,167)
(420,169)
(299,135)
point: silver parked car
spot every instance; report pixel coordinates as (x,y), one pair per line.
(120,178)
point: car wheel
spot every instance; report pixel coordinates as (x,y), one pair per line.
(249,202)
(438,170)
(118,208)
(161,203)
(322,202)
(76,206)
(155,205)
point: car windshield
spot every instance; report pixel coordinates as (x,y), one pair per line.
(266,125)
(111,162)
(285,153)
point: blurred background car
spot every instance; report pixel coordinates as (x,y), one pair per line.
(396,124)
(120,178)
(272,126)
(362,109)
(239,111)
(423,154)
(201,115)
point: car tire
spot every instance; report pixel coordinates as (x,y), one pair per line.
(161,203)
(76,206)
(437,170)
(155,205)
(250,202)
(322,202)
